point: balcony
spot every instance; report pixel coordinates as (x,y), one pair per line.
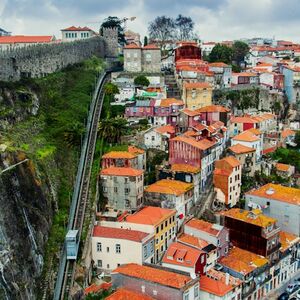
(267,234)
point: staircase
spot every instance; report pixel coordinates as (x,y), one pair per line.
(172,87)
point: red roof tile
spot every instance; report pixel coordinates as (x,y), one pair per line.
(132,46)
(119,233)
(182,255)
(165,129)
(202,145)
(125,294)
(168,186)
(150,215)
(151,47)
(197,85)
(115,171)
(213,108)
(246,136)
(161,277)
(20,39)
(94,288)
(74,28)
(240,149)
(193,241)
(215,287)
(212,229)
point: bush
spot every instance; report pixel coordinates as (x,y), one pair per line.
(141,80)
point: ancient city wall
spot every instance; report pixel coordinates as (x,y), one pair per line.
(40,60)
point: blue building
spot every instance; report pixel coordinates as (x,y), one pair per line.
(292,83)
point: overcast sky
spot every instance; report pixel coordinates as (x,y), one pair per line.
(215,19)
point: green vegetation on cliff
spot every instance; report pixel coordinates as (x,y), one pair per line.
(52,137)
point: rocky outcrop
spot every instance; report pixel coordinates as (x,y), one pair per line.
(26,206)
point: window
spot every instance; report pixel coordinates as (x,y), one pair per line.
(107,249)
(154,293)
(161,226)
(105,189)
(127,191)
(115,189)
(152,138)
(161,237)
(126,179)
(118,248)
(145,251)
(107,266)
(143,289)
(202,259)
(186,296)
(157,229)
(148,57)
(99,247)
(99,263)
(196,291)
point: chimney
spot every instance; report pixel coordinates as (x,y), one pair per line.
(227,278)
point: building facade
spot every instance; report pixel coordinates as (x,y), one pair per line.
(122,188)
(74,33)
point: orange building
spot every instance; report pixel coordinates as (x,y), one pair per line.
(227,180)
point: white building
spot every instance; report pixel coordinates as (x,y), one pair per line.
(279,202)
(112,247)
(74,33)
(207,47)
(158,137)
(247,138)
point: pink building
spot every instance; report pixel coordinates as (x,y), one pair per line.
(213,113)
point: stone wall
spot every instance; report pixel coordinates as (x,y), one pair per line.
(40,60)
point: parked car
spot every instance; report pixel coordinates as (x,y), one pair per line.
(292,287)
(284,296)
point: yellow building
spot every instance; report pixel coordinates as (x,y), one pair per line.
(197,94)
(163,222)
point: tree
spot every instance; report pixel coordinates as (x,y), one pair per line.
(297,139)
(112,129)
(184,27)
(221,53)
(161,30)
(141,80)
(114,22)
(240,50)
(111,89)
(145,40)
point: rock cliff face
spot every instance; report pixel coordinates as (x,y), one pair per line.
(26,202)
(28,198)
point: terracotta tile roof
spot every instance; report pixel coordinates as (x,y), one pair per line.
(202,145)
(150,215)
(182,255)
(119,154)
(218,64)
(165,129)
(213,108)
(161,277)
(246,136)
(264,65)
(221,276)
(243,261)
(115,171)
(229,160)
(282,167)
(244,119)
(185,168)
(277,192)
(191,113)
(132,46)
(167,186)
(287,132)
(193,241)
(197,85)
(119,233)
(191,133)
(125,294)
(287,240)
(240,149)
(151,47)
(244,74)
(222,172)
(255,131)
(135,150)
(255,217)
(169,101)
(269,150)
(215,287)
(212,229)
(74,28)
(94,288)
(200,127)
(20,39)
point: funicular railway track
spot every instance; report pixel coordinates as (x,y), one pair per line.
(66,273)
